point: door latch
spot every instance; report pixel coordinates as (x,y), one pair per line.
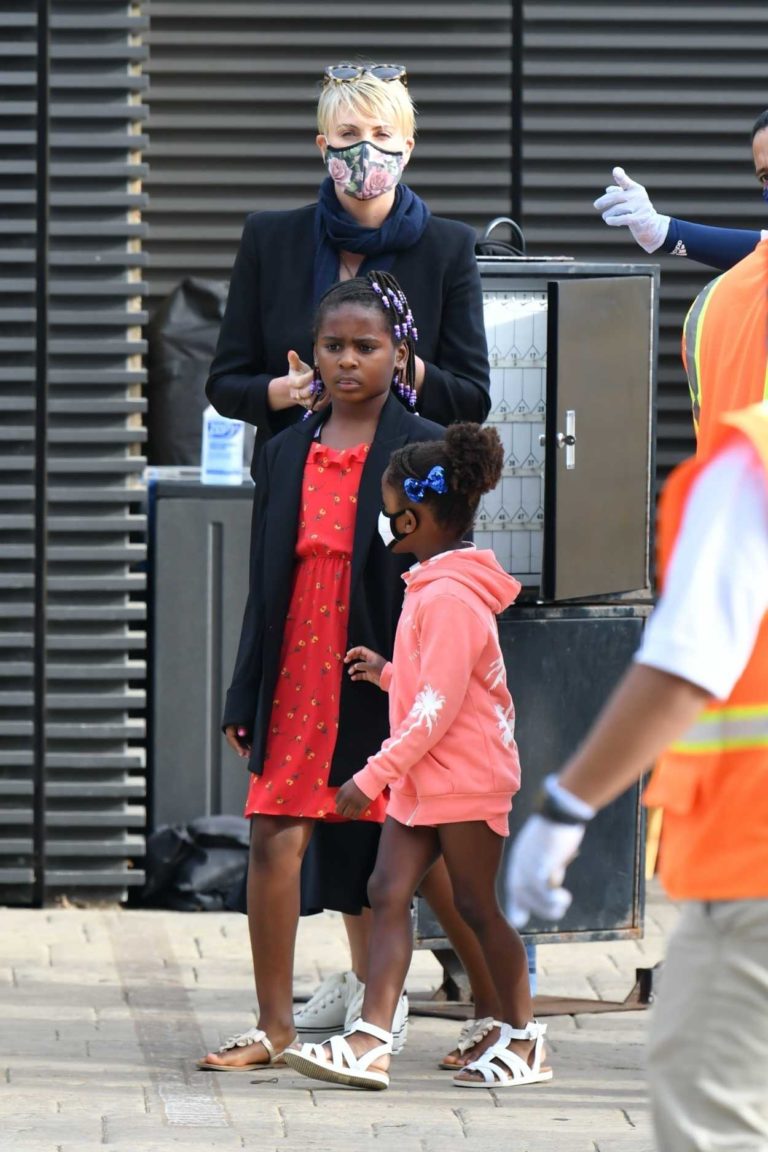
(567,439)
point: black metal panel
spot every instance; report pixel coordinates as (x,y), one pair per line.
(669,92)
(233,94)
(93,642)
(561,665)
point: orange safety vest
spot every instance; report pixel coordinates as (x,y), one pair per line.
(727,374)
(713,782)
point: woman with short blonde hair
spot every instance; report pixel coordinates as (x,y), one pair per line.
(368,96)
(364,219)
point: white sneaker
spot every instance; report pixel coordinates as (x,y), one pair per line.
(399,1023)
(325,1013)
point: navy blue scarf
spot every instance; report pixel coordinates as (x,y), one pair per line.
(335,229)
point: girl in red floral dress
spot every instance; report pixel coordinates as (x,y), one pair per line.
(305,708)
(320,575)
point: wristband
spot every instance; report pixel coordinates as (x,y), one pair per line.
(561,806)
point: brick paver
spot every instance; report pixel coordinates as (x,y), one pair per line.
(104,1012)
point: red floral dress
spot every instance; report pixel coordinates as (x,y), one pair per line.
(305,710)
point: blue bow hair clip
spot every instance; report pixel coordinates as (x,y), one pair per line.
(435,480)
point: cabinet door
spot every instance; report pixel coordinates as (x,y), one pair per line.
(598,462)
(200,552)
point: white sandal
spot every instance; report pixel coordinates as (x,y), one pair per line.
(244,1040)
(501,1068)
(472,1033)
(344,1067)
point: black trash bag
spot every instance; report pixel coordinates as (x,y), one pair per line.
(221,831)
(204,881)
(200,868)
(486,246)
(166,849)
(181,341)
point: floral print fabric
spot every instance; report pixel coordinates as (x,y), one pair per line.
(363,170)
(305,709)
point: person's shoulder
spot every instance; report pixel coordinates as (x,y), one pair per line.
(280,222)
(289,441)
(446,230)
(420,428)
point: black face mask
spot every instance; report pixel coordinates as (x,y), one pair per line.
(387,530)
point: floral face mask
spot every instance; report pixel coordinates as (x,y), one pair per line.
(363,170)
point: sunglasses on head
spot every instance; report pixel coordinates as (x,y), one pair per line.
(344,73)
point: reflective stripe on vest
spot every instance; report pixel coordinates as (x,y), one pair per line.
(726,729)
(692,329)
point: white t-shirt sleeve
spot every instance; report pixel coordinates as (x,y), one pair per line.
(716,589)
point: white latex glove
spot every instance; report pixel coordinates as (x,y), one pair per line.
(626,203)
(540,855)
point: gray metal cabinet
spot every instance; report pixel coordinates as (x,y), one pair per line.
(199,577)
(572,349)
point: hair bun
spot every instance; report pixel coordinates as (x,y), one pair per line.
(475,455)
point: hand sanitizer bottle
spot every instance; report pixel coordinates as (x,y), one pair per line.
(222,457)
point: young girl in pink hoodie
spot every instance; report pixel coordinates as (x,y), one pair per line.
(450,763)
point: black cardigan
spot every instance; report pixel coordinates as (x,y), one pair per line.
(270,310)
(376,590)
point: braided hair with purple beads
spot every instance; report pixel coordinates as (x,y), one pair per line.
(379,289)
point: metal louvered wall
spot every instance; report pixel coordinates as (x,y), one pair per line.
(669,92)
(233,89)
(93,808)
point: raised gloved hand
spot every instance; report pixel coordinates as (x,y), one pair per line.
(626,203)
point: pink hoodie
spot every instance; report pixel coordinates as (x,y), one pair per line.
(451,755)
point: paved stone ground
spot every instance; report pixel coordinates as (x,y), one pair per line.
(103,1012)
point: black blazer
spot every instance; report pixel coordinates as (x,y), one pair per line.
(376,589)
(270,309)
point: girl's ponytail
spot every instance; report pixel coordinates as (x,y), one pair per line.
(471,458)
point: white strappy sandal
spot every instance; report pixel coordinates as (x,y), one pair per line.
(343,1066)
(244,1040)
(501,1068)
(472,1033)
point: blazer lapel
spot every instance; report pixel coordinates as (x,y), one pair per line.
(286,479)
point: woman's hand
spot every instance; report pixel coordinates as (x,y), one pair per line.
(239,739)
(350,801)
(365,665)
(293,388)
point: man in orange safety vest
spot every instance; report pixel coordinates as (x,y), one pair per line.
(699,690)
